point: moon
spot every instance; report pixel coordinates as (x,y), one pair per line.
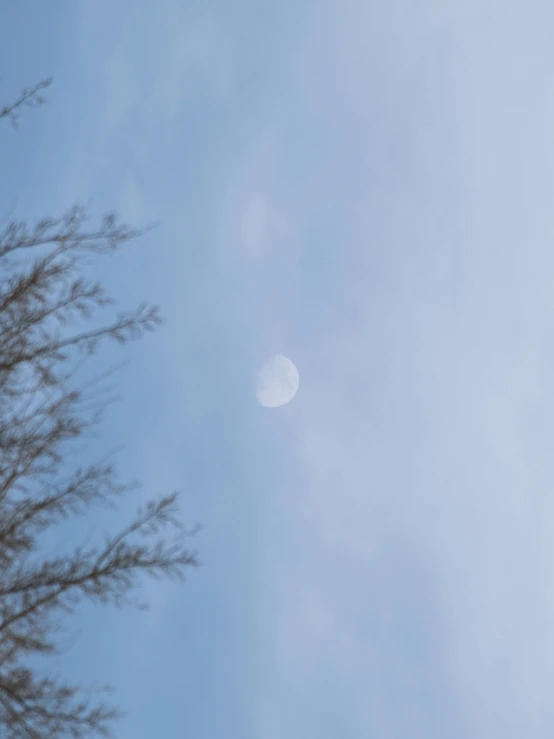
(278,382)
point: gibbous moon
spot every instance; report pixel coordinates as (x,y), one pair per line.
(278,382)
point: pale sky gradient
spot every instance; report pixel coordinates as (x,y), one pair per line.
(367,188)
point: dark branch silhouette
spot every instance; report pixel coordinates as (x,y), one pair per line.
(43,296)
(30,97)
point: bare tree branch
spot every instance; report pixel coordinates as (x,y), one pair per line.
(43,295)
(30,97)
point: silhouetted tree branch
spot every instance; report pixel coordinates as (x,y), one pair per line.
(30,97)
(43,295)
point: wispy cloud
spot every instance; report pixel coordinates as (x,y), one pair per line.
(152,75)
(414,593)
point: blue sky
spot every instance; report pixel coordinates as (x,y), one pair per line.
(365,187)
